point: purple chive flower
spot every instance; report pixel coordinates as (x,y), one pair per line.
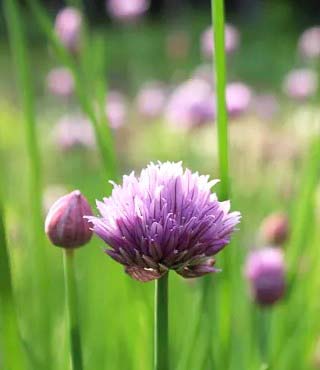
(191,104)
(232,40)
(65,224)
(151,100)
(300,84)
(116,109)
(167,218)
(125,10)
(309,43)
(239,98)
(60,82)
(72,132)
(68,26)
(275,229)
(265,272)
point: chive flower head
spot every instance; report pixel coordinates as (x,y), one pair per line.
(300,84)
(125,10)
(309,43)
(68,25)
(166,218)
(232,40)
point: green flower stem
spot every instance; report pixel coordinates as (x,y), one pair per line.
(161,348)
(219,66)
(12,353)
(19,49)
(72,310)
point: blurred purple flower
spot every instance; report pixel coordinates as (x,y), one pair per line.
(73,131)
(151,100)
(309,43)
(232,40)
(116,109)
(60,82)
(238,97)
(301,83)
(127,10)
(191,104)
(265,272)
(68,26)
(167,218)
(266,106)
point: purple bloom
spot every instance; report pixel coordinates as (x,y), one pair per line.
(266,274)
(151,100)
(68,28)
(232,40)
(73,131)
(191,104)
(309,43)
(127,10)
(164,219)
(60,82)
(301,83)
(239,97)
(116,109)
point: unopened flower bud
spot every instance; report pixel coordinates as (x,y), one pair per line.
(68,26)
(275,229)
(65,224)
(265,272)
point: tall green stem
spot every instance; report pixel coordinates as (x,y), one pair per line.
(19,49)
(217,7)
(12,353)
(72,310)
(161,347)
(19,52)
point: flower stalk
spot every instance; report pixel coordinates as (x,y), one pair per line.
(12,352)
(219,67)
(161,347)
(72,310)
(41,277)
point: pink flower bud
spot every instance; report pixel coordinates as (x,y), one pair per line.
(300,84)
(275,229)
(60,82)
(68,26)
(65,224)
(309,43)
